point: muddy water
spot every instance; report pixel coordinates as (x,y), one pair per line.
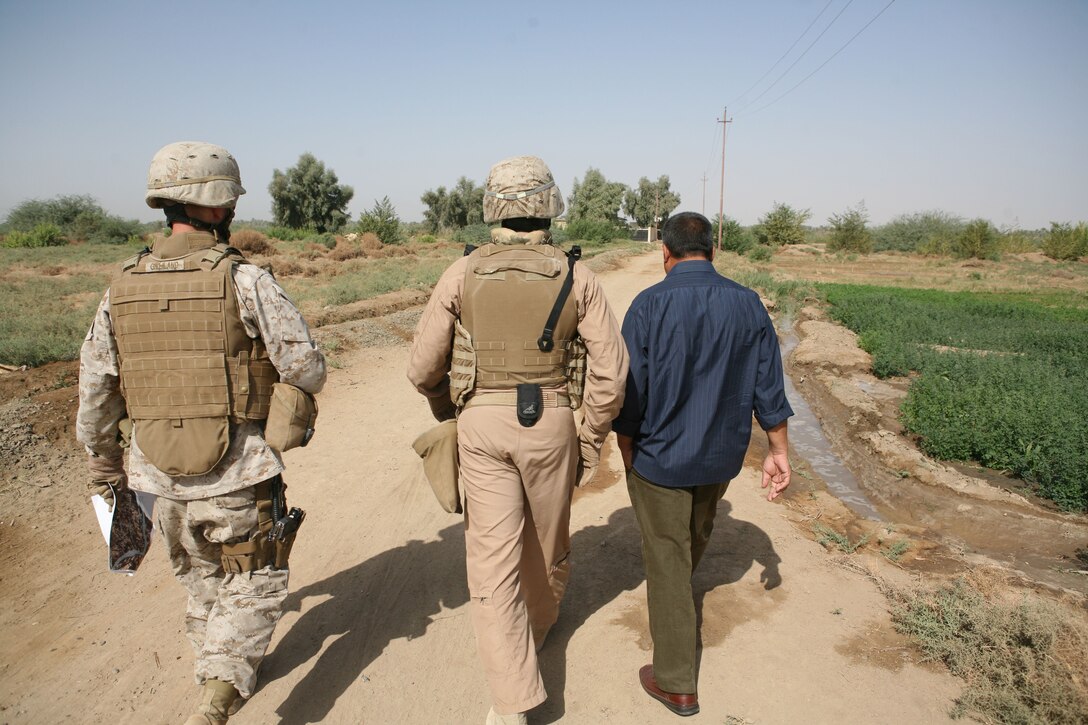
(807,438)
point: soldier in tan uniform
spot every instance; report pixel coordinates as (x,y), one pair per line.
(502,344)
(188,344)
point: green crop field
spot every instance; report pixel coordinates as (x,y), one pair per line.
(1000,378)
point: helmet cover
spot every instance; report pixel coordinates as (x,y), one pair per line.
(521,186)
(193,172)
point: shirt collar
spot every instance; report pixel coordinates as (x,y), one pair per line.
(691,265)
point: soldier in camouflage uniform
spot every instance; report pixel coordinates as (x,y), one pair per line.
(186,344)
(481,351)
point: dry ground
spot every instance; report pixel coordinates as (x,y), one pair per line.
(377,629)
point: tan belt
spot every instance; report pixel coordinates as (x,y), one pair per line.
(552,399)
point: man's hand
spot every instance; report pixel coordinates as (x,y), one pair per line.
(626,444)
(442,408)
(589,457)
(106,472)
(776,474)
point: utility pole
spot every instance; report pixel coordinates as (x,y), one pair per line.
(721,195)
(704,194)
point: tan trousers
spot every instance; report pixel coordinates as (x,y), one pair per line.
(230,617)
(517,484)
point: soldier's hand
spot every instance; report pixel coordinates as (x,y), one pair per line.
(105,489)
(105,469)
(442,408)
(589,457)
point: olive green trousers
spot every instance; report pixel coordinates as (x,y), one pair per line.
(676,524)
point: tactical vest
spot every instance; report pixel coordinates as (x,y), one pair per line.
(188,368)
(509,292)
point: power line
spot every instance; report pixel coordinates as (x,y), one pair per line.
(848,42)
(783,57)
(803,54)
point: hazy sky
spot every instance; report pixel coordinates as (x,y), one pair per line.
(976,107)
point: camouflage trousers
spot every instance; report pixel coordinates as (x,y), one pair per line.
(230,617)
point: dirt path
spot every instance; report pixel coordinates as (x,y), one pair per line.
(378,630)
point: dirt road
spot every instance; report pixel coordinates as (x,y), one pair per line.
(378,629)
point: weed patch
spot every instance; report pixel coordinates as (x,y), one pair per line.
(1024,661)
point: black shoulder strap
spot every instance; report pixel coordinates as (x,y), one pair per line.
(546,343)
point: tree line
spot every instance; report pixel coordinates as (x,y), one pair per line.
(308,199)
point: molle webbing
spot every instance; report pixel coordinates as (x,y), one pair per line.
(509,290)
(183,347)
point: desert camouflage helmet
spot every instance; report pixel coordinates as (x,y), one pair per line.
(192,172)
(521,187)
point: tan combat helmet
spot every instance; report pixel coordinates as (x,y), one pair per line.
(192,172)
(521,187)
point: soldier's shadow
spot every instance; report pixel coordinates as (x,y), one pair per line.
(394,594)
(608,561)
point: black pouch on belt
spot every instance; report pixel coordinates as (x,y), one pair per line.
(530,404)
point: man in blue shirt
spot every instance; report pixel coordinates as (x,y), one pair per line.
(704,358)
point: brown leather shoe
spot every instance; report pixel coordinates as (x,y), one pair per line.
(679,703)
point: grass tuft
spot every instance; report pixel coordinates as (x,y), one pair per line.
(1024,660)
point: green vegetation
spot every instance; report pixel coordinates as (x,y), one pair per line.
(650,201)
(918,232)
(44,318)
(1023,661)
(461,206)
(64,219)
(596,199)
(1000,377)
(365,278)
(828,537)
(590,230)
(1064,241)
(895,550)
(849,232)
(308,195)
(978,239)
(782,225)
(381,220)
(735,238)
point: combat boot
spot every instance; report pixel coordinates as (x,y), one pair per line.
(216,704)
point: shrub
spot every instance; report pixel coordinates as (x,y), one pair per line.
(1064,241)
(735,238)
(760,253)
(42,235)
(848,232)
(477,234)
(977,240)
(252,241)
(287,234)
(77,218)
(345,250)
(782,225)
(381,220)
(427,239)
(926,232)
(593,231)
(1023,661)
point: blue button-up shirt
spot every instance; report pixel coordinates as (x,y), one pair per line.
(704,357)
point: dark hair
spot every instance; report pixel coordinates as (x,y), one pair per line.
(525,224)
(688,235)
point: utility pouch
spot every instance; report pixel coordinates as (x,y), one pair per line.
(291,418)
(530,404)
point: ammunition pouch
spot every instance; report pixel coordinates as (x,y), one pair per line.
(576,371)
(462,365)
(263,549)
